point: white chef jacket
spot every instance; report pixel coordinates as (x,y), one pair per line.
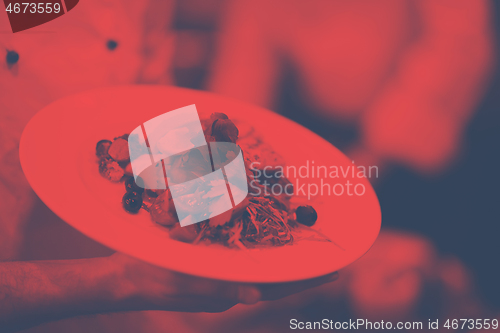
(98,43)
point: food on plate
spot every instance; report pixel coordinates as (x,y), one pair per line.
(110,169)
(306,215)
(260,220)
(119,150)
(102,147)
(132,201)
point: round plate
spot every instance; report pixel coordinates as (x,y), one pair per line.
(57,156)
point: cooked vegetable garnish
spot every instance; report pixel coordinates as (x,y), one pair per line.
(306,215)
(163,211)
(224,130)
(131,186)
(102,147)
(119,150)
(110,169)
(132,202)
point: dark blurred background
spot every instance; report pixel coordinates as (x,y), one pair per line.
(458,209)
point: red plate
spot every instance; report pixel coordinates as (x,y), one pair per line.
(57,156)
